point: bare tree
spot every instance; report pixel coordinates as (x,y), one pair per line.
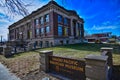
(14,7)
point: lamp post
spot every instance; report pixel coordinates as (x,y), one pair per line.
(22,42)
(21,39)
(1,38)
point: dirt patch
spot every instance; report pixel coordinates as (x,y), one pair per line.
(25,67)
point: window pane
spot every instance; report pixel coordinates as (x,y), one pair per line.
(36,21)
(47,18)
(65,21)
(66,31)
(37,31)
(42,30)
(30,34)
(47,29)
(59,30)
(42,20)
(59,18)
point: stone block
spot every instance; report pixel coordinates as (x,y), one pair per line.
(44,60)
(94,73)
(95,67)
(7,51)
(105,51)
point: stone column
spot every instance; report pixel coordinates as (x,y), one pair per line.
(44,60)
(105,51)
(96,67)
(7,51)
(76,26)
(72,28)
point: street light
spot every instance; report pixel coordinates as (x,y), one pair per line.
(1,38)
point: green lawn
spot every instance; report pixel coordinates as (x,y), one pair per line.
(81,50)
(23,63)
(30,60)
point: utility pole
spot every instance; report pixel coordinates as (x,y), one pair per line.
(1,38)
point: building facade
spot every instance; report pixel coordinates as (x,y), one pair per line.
(48,26)
(99,37)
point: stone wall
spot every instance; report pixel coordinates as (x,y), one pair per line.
(97,66)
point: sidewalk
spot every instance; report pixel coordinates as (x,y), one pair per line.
(5,74)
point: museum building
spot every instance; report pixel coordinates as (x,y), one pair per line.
(48,26)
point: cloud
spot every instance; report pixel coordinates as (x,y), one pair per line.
(103,27)
(92,16)
(4,31)
(35,5)
(106,23)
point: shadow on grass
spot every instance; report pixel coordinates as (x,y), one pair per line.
(81,46)
(92,47)
(21,53)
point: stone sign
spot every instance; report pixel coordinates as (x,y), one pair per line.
(71,68)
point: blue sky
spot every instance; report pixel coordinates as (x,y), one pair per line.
(99,15)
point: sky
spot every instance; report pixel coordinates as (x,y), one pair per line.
(99,15)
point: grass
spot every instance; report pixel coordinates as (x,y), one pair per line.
(81,50)
(26,62)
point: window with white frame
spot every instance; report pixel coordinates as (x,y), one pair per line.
(47,29)
(37,31)
(42,20)
(42,30)
(47,18)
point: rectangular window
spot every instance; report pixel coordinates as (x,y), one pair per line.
(47,29)
(39,20)
(42,30)
(59,18)
(59,30)
(47,18)
(36,21)
(30,34)
(65,21)
(37,31)
(42,20)
(66,31)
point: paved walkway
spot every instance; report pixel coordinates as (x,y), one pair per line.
(5,74)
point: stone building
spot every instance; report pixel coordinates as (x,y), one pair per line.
(50,25)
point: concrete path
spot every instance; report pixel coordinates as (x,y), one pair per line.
(5,74)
